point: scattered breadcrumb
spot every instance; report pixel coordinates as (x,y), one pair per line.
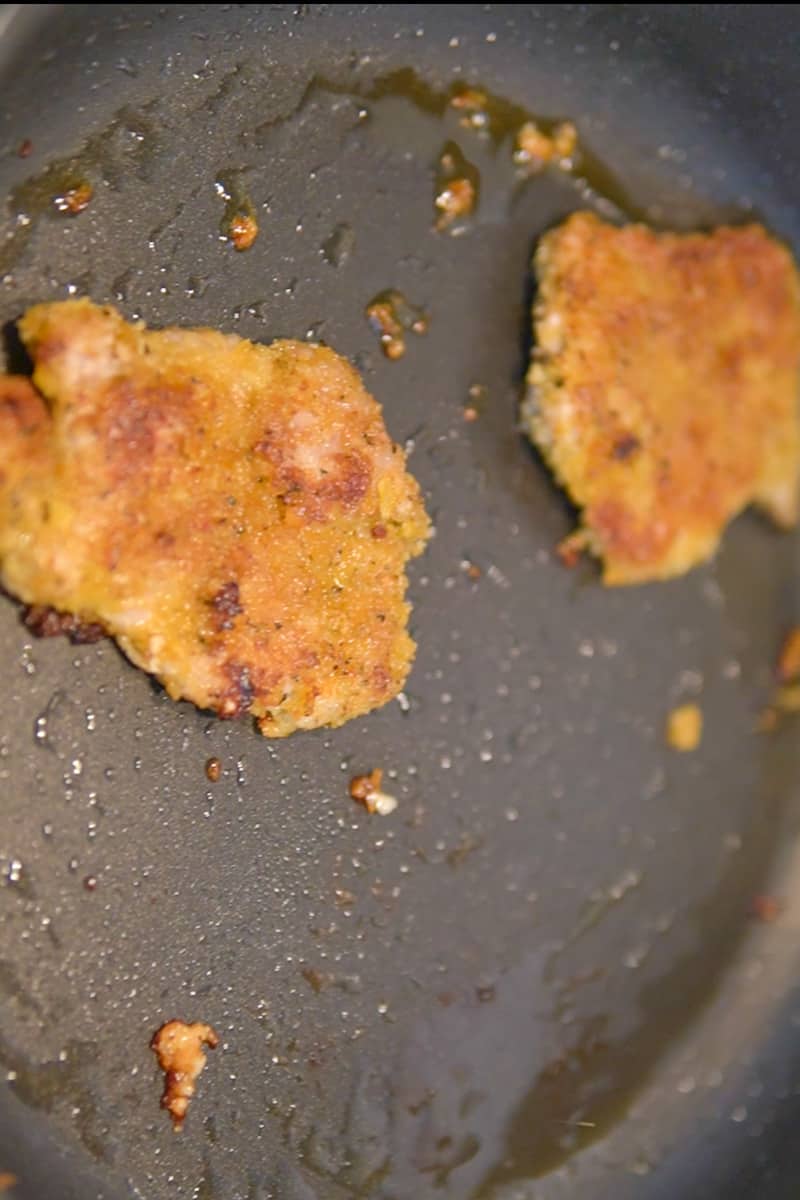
(316,980)
(473,103)
(366,790)
(767,908)
(789,657)
(243,231)
(213,770)
(7,1180)
(75,199)
(179,1048)
(685,727)
(455,200)
(535,148)
(391,315)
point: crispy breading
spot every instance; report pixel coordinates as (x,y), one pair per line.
(236,516)
(663,390)
(179,1048)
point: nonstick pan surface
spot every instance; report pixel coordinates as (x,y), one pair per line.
(540,977)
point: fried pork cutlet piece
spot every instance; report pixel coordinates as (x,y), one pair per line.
(663,390)
(235,515)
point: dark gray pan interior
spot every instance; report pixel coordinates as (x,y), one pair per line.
(541,975)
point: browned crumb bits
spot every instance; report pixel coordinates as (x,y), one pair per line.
(455,201)
(366,790)
(213,770)
(25,148)
(179,1049)
(7,1180)
(570,548)
(473,103)
(534,148)
(243,231)
(789,656)
(767,908)
(767,720)
(314,978)
(685,727)
(391,315)
(75,199)
(381,317)
(471,570)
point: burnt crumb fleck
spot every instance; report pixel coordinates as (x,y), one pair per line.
(315,979)
(379,532)
(45,622)
(25,148)
(625,447)
(227,605)
(213,770)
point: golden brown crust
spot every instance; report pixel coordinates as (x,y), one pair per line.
(179,1049)
(789,656)
(213,505)
(663,390)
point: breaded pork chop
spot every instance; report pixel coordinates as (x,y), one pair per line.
(663,390)
(235,515)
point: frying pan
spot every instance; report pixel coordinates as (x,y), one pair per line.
(540,977)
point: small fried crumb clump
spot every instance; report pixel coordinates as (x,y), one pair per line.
(381,317)
(766,908)
(213,770)
(391,315)
(75,199)
(535,148)
(366,790)
(7,1180)
(789,657)
(454,201)
(179,1049)
(473,103)
(243,231)
(685,727)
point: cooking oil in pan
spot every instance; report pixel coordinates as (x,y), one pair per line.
(572,1094)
